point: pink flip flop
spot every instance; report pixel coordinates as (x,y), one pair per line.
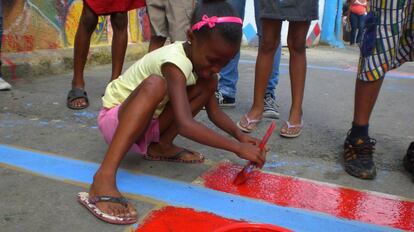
(246,124)
(291,131)
(90,204)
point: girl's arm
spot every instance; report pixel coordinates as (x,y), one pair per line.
(224,122)
(194,130)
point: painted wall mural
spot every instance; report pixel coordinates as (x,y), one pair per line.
(51,24)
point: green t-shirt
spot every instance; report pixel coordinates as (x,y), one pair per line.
(118,90)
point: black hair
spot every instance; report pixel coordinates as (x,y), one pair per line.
(232,32)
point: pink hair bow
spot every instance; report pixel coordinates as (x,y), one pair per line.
(211,22)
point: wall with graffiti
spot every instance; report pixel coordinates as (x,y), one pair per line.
(51,24)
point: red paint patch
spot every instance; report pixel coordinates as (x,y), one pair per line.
(293,192)
(183,219)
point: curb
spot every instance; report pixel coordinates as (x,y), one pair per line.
(58,61)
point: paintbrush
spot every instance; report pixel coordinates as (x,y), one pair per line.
(244,173)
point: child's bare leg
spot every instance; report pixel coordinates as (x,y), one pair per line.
(366,94)
(134,116)
(198,96)
(84,32)
(119,22)
(297,67)
(264,64)
(156,42)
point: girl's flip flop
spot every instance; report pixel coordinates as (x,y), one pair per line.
(90,204)
(291,131)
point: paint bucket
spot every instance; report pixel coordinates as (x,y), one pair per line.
(251,227)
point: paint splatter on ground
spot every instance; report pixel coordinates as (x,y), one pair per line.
(293,192)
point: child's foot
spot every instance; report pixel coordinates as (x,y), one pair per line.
(358,157)
(248,123)
(106,202)
(170,152)
(77,99)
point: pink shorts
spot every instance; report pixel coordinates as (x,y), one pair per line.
(108,122)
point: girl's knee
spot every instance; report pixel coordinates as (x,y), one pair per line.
(267,46)
(89,19)
(296,45)
(155,85)
(119,21)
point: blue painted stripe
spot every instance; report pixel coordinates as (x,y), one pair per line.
(183,194)
(330,68)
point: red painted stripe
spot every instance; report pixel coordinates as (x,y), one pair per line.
(181,219)
(171,218)
(292,192)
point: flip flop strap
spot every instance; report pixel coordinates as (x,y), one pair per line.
(119,200)
(294,126)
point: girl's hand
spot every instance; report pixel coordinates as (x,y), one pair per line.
(252,153)
(244,138)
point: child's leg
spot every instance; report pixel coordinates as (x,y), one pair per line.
(156,42)
(366,94)
(297,67)
(119,22)
(134,116)
(269,42)
(198,96)
(87,25)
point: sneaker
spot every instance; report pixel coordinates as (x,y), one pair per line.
(224,101)
(409,160)
(4,85)
(271,108)
(358,157)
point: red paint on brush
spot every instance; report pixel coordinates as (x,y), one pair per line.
(244,173)
(337,201)
(182,219)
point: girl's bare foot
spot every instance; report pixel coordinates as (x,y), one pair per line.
(105,186)
(170,150)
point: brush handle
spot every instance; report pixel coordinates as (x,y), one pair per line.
(264,140)
(267,135)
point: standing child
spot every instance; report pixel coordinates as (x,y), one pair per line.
(157,98)
(273,12)
(387,51)
(168,19)
(77,98)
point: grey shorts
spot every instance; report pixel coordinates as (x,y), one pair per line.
(170,18)
(290,10)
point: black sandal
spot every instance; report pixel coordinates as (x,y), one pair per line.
(76,93)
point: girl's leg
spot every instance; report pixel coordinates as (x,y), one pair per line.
(269,42)
(119,22)
(134,116)
(86,27)
(198,96)
(297,67)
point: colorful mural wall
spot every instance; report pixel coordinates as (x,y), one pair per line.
(51,24)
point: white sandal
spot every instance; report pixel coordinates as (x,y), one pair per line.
(246,124)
